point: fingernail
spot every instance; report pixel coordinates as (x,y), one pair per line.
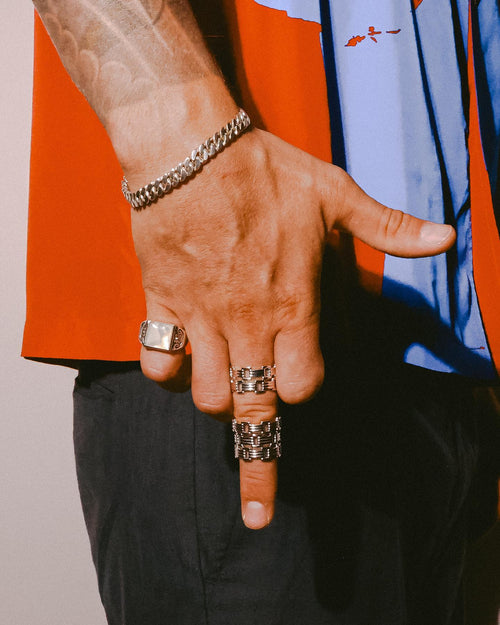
(255,515)
(435,233)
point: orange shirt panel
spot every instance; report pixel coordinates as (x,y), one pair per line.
(83,278)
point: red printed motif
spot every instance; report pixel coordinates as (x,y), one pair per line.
(372,34)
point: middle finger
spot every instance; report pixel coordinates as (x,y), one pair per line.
(258,478)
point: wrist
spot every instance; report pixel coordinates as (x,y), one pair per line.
(153,135)
(188,167)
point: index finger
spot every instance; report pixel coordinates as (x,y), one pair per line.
(258,478)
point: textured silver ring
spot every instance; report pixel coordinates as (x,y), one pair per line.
(257,441)
(252,379)
(252,386)
(165,337)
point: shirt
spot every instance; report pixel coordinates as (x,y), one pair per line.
(402,94)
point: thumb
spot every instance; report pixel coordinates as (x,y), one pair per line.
(385,229)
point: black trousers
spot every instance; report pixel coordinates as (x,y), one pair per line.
(380,484)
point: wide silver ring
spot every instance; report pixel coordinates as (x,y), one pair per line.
(257,441)
(165,337)
(252,379)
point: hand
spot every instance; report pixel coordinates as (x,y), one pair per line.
(234,256)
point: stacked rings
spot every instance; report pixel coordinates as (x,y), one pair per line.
(260,441)
(255,380)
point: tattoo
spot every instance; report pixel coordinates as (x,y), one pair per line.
(119,51)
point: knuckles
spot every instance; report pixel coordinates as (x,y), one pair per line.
(176,379)
(260,482)
(158,372)
(247,409)
(214,404)
(394,222)
(272,309)
(297,390)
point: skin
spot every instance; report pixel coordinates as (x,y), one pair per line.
(234,256)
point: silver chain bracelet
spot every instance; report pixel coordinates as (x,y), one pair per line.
(164,184)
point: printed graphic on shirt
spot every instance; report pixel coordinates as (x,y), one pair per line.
(307,10)
(373,34)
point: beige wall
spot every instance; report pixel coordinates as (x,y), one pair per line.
(46,577)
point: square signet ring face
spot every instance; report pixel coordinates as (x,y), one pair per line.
(165,337)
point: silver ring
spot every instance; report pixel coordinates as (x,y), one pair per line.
(253,379)
(257,441)
(165,337)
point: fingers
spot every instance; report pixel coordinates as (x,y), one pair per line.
(210,373)
(299,363)
(258,479)
(349,208)
(172,370)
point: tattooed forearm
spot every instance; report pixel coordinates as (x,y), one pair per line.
(118,52)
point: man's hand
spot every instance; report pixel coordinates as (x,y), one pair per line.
(234,256)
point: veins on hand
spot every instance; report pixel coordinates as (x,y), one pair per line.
(119,51)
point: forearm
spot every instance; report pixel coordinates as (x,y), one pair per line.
(145,70)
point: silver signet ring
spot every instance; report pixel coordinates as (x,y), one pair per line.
(165,337)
